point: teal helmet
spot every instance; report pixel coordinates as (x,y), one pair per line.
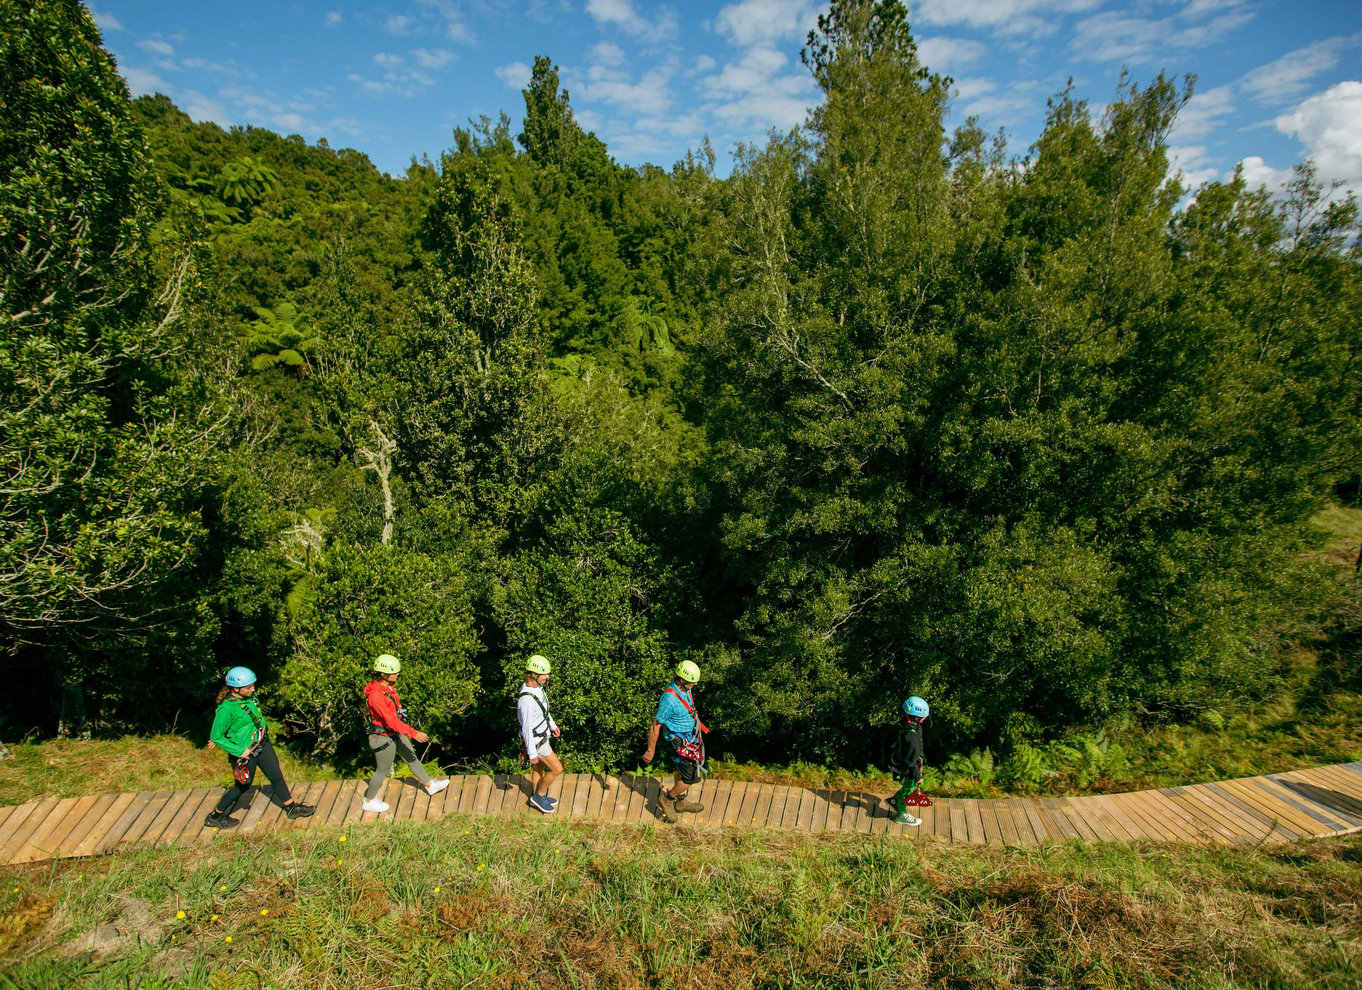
(240,677)
(916,707)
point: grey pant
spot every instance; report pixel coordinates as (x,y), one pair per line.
(386,749)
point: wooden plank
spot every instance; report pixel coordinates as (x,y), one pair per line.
(172,807)
(602,797)
(1156,827)
(1339,793)
(632,797)
(97,832)
(1016,809)
(326,802)
(1321,800)
(808,800)
(1241,828)
(190,815)
(865,817)
(32,825)
(958,820)
(6,811)
(989,815)
(974,821)
(462,790)
(265,813)
(714,797)
(1123,823)
(1249,804)
(1003,810)
(761,810)
(15,820)
(740,804)
(1083,808)
(652,809)
(1063,811)
(1210,824)
(348,792)
(1195,828)
(143,821)
(81,829)
(615,800)
(39,844)
(837,802)
(582,796)
(1026,807)
(789,807)
(936,822)
(1055,829)
(1313,818)
(482,794)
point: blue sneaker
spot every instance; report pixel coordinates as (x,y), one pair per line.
(542,803)
(551,800)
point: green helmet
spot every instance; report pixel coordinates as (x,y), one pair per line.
(688,671)
(538,665)
(388,664)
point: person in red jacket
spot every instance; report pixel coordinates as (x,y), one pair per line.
(390,735)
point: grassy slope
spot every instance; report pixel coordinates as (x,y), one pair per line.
(479,902)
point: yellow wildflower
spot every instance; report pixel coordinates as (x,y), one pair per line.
(179,915)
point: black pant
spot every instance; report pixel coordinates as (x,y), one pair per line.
(266,761)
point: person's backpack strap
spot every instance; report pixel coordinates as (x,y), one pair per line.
(688,707)
(547,723)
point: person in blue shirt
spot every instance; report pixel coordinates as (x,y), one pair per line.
(678,725)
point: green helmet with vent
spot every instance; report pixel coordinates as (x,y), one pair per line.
(538,664)
(687,670)
(388,664)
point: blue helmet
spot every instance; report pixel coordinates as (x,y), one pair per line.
(240,677)
(916,707)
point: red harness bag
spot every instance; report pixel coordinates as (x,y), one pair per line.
(692,750)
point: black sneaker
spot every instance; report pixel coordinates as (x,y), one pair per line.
(299,810)
(219,819)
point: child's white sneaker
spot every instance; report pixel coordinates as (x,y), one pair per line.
(907,818)
(376,805)
(437,785)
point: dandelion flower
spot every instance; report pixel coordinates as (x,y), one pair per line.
(179,915)
(223,887)
(437,890)
(341,839)
(214,918)
(339,862)
(264,911)
(15,890)
(481,867)
(229,938)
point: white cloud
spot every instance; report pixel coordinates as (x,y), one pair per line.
(705,63)
(398,79)
(763,22)
(398,24)
(448,12)
(433,58)
(1195,164)
(1287,77)
(607,53)
(333,18)
(941,54)
(1329,126)
(514,74)
(142,82)
(755,92)
(105,21)
(1203,113)
(1034,17)
(651,94)
(660,22)
(156,47)
(1117,37)
(968,89)
(1259,173)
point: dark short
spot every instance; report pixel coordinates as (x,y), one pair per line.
(687,771)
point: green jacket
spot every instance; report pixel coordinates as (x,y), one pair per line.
(233,728)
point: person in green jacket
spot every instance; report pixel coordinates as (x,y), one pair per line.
(239,731)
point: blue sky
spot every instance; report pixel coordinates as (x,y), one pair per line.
(1277,81)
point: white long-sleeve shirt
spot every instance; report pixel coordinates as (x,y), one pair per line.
(532,727)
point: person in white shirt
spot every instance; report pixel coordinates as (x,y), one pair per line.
(537,727)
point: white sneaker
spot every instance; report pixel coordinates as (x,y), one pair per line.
(437,785)
(376,805)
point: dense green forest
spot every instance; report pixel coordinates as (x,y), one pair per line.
(890,409)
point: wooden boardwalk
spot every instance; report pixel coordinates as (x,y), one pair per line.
(1277,808)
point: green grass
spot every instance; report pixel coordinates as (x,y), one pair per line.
(471,902)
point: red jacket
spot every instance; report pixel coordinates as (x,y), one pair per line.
(383,706)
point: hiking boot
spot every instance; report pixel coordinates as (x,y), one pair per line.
(543,804)
(220,819)
(905,818)
(375,805)
(437,785)
(299,810)
(690,807)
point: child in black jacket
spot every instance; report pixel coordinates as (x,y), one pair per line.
(906,758)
